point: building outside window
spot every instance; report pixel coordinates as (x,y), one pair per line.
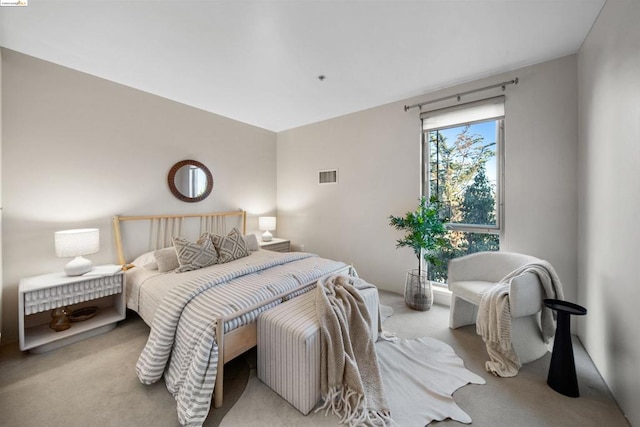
(462,165)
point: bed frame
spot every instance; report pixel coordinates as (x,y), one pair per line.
(161,230)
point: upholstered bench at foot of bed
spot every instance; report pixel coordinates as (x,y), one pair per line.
(289,348)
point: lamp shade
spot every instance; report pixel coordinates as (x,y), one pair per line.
(73,243)
(267,223)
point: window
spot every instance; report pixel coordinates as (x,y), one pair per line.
(462,166)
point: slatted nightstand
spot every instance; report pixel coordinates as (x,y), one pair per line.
(38,296)
(276,245)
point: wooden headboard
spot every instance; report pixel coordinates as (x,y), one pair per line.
(158,231)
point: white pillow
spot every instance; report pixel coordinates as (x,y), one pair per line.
(146,260)
(167,259)
(252,242)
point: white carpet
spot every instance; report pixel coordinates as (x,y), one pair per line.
(385,312)
(419,377)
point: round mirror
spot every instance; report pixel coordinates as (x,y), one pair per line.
(190,181)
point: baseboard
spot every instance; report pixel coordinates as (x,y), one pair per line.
(441,296)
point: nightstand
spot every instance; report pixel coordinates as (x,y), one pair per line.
(276,245)
(38,296)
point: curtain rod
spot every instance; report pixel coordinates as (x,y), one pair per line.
(460,95)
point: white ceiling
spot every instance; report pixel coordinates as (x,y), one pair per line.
(259,61)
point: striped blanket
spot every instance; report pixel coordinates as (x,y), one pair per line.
(182,343)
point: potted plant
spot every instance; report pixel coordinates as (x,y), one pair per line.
(426,234)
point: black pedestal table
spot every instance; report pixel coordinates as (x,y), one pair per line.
(562,370)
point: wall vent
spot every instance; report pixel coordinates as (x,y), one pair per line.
(328,176)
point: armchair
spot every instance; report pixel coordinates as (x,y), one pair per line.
(471,275)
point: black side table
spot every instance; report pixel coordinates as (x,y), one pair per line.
(562,370)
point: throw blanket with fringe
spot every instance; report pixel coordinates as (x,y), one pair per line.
(350,377)
(494,317)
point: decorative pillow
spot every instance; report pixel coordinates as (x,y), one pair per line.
(230,247)
(195,255)
(167,259)
(252,242)
(146,260)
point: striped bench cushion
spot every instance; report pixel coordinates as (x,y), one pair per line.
(289,348)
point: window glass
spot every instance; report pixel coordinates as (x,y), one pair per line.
(463,172)
(462,167)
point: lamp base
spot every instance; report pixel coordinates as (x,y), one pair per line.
(267,237)
(78,266)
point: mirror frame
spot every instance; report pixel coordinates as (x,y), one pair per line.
(177,193)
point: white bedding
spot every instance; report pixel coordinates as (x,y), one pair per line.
(182,340)
(147,288)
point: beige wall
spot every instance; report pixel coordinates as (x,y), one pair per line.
(1,196)
(377,154)
(78,149)
(609,230)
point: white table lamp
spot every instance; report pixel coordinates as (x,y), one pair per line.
(266,224)
(75,243)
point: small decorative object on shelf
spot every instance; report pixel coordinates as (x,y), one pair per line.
(84,313)
(60,319)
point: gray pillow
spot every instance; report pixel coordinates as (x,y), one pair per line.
(167,259)
(252,242)
(195,255)
(230,247)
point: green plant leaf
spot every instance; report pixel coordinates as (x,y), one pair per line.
(425,230)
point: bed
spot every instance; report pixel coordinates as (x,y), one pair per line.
(203,318)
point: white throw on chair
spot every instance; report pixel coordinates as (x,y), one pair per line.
(471,275)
